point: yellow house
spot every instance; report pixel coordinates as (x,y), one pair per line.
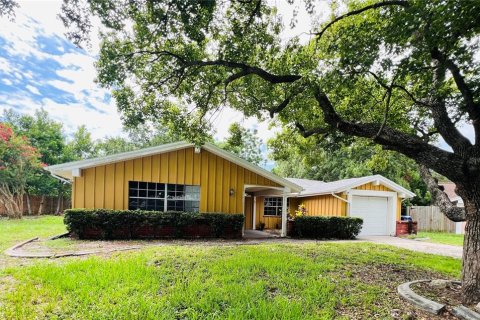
(181,177)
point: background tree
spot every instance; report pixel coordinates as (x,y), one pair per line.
(81,145)
(7,8)
(18,161)
(47,136)
(244,143)
(398,72)
(330,159)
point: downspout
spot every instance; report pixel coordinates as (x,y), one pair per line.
(65,181)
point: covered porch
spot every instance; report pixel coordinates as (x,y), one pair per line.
(267,207)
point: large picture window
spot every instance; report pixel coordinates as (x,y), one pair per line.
(272,206)
(163,197)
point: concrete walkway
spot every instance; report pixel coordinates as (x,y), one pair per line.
(416,245)
(257,234)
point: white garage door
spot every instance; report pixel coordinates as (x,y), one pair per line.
(374,212)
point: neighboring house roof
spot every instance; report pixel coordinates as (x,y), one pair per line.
(313,187)
(449,189)
(65,170)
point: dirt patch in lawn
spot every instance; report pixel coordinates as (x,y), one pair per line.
(450,294)
(388,277)
(69,246)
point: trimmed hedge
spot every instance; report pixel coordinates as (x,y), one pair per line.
(327,227)
(137,224)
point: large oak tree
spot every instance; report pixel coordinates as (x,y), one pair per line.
(403,73)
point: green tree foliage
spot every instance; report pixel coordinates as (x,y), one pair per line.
(399,72)
(244,143)
(142,136)
(19,160)
(47,136)
(81,146)
(326,159)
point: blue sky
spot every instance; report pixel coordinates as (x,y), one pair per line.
(39,68)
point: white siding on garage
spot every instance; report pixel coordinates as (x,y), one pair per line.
(374,212)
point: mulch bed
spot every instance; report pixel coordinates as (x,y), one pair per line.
(392,276)
(450,295)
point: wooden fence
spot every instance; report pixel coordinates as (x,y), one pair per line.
(431,219)
(49,205)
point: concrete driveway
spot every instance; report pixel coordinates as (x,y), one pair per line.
(416,245)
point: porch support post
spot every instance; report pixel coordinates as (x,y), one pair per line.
(284,213)
(254,213)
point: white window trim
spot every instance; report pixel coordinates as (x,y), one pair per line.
(272,215)
(165,198)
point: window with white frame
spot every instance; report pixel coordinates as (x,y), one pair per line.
(272,206)
(163,197)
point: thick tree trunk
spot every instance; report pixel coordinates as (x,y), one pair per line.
(59,201)
(29,204)
(40,207)
(471,251)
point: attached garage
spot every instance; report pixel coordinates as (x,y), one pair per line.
(375,199)
(374,212)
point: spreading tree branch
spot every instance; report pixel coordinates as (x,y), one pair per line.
(444,162)
(400,3)
(443,122)
(310,132)
(440,198)
(473,108)
(246,70)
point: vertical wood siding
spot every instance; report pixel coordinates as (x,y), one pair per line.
(107,186)
(271,222)
(324,205)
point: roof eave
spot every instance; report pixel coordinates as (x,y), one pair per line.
(64,170)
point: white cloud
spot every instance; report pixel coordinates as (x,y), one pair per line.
(5,66)
(72,71)
(32,89)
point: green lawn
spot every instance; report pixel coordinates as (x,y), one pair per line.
(13,231)
(441,237)
(216,281)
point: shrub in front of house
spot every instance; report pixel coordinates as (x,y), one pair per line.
(137,224)
(315,227)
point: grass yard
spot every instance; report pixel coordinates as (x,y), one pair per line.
(14,231)
(441,237)
(225,281)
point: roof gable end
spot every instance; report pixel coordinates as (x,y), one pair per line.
(65,170)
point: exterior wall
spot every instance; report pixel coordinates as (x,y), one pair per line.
(270,222)
(323,205)
(107,186)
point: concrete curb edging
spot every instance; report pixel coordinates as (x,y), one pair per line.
(12,252)
(417,300)
(465,313)
(58,236)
